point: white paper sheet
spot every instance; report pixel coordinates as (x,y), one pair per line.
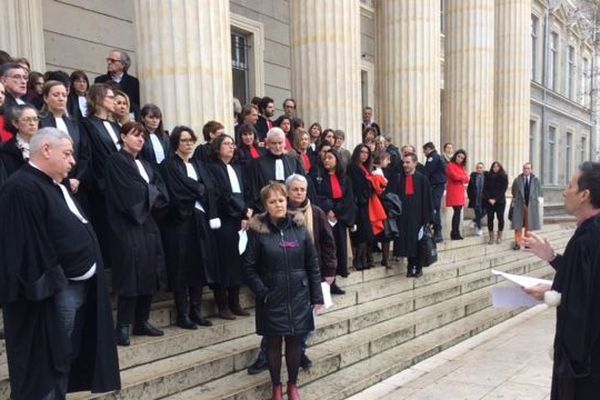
(523,281)
(512,297)
(243,242)
(327,302)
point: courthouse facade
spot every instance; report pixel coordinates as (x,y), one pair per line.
(508,80)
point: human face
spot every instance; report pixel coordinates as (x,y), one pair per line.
(57,99)
(108,103)
(80,85)
(367,114)
(276,206)
(460,158)
(384,163)
(364,154)
(304,141)
(15,82)
(2,94)
(215,134)
(133,141)
(227,149)
(27,125)
(297,193)
(496,168)
(573,198)
(479,168)
(314,132)
(288,108)
(329,162)
(409,165)
(329,138)
(114,63)
(248,138)
(121,106)
(527,169)
(39,85)
(324,151)
(286,126)
(270,110)
(151,121)
(252,117)
(276,145)
(407,149)
(369,136)
(449,149)
(186,144)
(60,159)
(339,142)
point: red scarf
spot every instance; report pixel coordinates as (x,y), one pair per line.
(306,162)
(409,188)
(254,153)
(336,188)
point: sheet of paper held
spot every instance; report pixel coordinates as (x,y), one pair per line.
(514,297)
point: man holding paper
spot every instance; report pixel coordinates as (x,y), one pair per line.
(576,290)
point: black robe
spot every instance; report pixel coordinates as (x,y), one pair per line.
(202,152)
(577,342)
(362,191)
(231,209)
(46,237)
(148,149)
(11,157)
(189,243)
(135,240)
(416,212)
(101,147)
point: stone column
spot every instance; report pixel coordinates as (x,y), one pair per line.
(22,31)
(513,72)
(184,60)
(325,46)
(408,73)
(469,79)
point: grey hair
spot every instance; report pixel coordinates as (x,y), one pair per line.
(293,178)
(125,59)
(275,132)
(49,136)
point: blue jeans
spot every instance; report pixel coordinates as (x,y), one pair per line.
(437,192)
(479,213)
(262,355)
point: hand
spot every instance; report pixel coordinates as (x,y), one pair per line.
(330,280)
(539,246)
(74,185)
(249,213)
(317,308)
(537,291)
(244,225)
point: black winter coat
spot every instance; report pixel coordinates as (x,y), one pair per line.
(495,187)
(281,267)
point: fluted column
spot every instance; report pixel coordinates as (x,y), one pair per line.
(408,73)
(513,72)
(184,60)
(469,80)
(22,31)
(325,45)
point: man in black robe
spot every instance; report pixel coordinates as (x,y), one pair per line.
(414,190)
(576,371)
(57,314)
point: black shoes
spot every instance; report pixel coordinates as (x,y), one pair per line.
(437,237)
(516,247)
(259,366)
(305,362)
(456,236)
(414,272)
(185,322)
(122,335)
(236,309)
(147,329)
(335,289)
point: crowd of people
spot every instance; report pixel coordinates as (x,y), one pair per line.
(90,179)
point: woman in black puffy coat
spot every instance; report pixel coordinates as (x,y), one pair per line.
(281,267)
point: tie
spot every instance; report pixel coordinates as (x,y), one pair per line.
(279,170)
(71,204)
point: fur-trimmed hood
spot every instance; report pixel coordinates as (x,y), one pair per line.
(260,223)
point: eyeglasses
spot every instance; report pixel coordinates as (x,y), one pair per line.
(19,77)
(29,120)
(112,60)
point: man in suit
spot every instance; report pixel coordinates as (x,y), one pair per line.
(368,121)
(526,190)
(118,63)
(14,78)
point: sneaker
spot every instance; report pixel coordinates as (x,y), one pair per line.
(305,362)
(259,366)
(479,232)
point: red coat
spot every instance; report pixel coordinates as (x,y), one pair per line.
(5,135)
(455,189)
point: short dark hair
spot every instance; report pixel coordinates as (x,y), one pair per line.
(175,136)
(590,179)
(153,110)
(215,146)
(211,127)
(60,76)
(429,146)
(412,156)
(264,103)
(244,128)
(289,99)
(128,127)
(9,66)
(79,74)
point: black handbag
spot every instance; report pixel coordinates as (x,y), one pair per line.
(390,230)
(427,248)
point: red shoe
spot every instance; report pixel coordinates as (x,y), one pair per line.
(277,392)
(292,391)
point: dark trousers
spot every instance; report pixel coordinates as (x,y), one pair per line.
(456,220)
(437,192)
(479,213)
(133,310)
(498,210)
(70,305)
(341,244)
(262,354)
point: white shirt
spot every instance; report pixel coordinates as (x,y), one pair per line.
(191,173)
(19,101)
(159,152)
(233,180)
(83,105)
(142,171)
(112,133)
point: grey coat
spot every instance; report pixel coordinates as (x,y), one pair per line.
(518,203)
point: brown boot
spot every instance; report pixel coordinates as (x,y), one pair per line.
(224,311)
(234,302)
(499,237)
(491,241)
(277,392)
(292,391)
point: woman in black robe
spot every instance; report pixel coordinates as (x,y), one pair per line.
(234,214)
(190,246)
(362,238)
(103,139)
(335,197)
(135,196)
(54,115)
(247,146)
(156,141)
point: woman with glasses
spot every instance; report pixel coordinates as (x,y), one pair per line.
(54,115)
(22,122)
(77,100)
